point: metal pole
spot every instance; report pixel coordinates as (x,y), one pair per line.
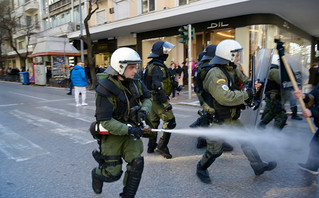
(81,32)
(189,61)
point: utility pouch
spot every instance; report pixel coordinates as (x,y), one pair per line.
(97,156)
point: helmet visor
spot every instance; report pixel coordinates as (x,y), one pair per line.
(167,47)
(239,56)
(132,70)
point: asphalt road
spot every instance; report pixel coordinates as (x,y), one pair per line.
(45,151)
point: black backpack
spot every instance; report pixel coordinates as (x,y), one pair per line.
(202,72)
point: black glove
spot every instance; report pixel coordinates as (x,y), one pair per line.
(251,93)
(160,95)
(251,96)
(168,107)
(141,115)
(136,132)
(280,47)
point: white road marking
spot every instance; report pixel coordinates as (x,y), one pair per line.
(9,105)
(91,107)
(56,100)
(17,147)
(77,135)
(63,112)
(25,95)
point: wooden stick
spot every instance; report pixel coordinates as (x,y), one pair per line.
(294,84)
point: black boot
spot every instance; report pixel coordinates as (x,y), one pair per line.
(134,176)
(261,125)
(162,146)
(203,174)
(195,124)
(294,114)
(256,163)
(201,142)
(201,170)
(151,145)
(227,147)
(97,184)
(260,168)
(308,168)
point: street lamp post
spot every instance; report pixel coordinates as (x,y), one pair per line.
(189,61)
(81,32)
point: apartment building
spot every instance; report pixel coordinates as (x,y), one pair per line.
(26,15)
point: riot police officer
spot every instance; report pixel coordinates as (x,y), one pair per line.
(122,104)
(223,95)
(206,119)
(160,83)
(274,108)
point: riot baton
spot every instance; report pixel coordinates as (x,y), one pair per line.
(294,83)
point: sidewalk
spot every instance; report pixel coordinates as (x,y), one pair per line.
(182,98)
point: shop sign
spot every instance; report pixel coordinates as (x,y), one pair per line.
(219,24)
(102,47)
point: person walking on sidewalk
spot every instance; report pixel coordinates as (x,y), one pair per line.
(79,81)
(224,95)
(312,101)
(70,83)
(160,83)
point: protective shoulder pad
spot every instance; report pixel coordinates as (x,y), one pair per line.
(106,87)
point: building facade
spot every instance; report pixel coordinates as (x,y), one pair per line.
(140,23)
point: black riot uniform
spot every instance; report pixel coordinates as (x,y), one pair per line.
(160,82)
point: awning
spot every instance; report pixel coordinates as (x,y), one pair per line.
(54,46)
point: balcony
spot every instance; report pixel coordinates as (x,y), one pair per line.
(18,12)
(19,33)
(31,6)
(60,30)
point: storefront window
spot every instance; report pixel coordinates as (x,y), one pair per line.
(215,37)
(262,36)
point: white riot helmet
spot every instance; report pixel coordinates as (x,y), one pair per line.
(121,58)
(226,51)
(275,60)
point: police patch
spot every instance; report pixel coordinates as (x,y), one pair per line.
(225,87)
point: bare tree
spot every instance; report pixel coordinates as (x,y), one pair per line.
(10,25)
(88,41)
(4,14)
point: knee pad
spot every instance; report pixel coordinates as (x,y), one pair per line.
(108,177)
(208,159)
(137,166)
(211,155)
(171,124)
